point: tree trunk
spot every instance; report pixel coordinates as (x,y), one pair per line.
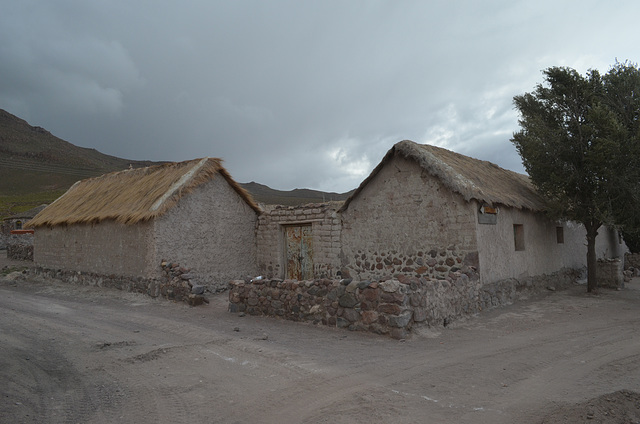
(592,260)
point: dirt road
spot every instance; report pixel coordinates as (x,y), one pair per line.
(87,355)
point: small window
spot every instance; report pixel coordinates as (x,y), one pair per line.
(18,225)
(560,235)
(518,236)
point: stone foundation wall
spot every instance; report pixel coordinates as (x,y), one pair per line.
(391,307)
(433,263)
(609,273)
(20,247)
(174,283)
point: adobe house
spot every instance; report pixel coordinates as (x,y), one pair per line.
(19,243)
(17,221)
(126,223)
(425,211)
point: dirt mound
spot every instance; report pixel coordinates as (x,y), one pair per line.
(621,407)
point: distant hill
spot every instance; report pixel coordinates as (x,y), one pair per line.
(298,196)
(36,167)
(34,160)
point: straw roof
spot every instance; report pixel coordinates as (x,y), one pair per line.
(471,178)
(134,195)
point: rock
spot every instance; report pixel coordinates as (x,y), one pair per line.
(390,286)
(195,299)
(197,289)
(419,315)
(363,284)
(389,308)
(351,315)
(400,321)
(342,322)
(351,288)
(348,300)
(369,317)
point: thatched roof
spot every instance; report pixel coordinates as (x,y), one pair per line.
(134,195)
(471,178)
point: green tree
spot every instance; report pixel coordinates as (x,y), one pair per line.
(622,96)
(576,136)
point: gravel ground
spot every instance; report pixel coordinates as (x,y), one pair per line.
(72,354)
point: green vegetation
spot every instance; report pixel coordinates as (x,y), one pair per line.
(16,203)
(580,143)
(9,269)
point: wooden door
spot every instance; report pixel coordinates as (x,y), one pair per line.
(299,252)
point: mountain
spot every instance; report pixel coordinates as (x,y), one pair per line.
(36,167)
(298,196)
(34,160)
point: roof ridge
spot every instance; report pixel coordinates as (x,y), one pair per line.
(178,184)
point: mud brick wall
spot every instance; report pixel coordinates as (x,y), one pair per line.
(609,273)
(391,307)
(325,227)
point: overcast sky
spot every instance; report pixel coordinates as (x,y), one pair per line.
(295,94)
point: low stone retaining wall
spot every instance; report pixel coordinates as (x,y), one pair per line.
(20,246)
(609,273)
(389,307)
(174,284)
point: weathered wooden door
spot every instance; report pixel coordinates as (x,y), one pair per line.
(299,252)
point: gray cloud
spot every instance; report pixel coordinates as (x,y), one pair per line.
(294,94)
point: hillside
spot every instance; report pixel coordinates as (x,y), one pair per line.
(36,167)
(34,160)
(299,196)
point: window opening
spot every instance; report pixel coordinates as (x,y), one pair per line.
(518,236)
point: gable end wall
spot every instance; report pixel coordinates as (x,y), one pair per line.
(212,232)
(405,221)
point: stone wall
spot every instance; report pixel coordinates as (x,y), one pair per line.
(20,246)
(174,283)
(609,273)
(435,263)
(325,228)
(391,306)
